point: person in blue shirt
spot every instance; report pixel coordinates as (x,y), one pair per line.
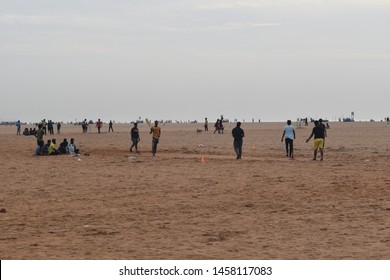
(289,136)
(18,125)
(134,138)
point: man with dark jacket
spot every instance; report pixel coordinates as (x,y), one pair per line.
(238,134)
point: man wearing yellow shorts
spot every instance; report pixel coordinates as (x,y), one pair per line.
(319,135)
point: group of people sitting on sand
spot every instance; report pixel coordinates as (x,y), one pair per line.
(50,148)
(29,132)
(65,148)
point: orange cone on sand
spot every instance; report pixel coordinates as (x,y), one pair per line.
(202,159)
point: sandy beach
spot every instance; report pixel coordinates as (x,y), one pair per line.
(173,206)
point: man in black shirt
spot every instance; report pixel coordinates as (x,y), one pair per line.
(110,128)
(320,123)
(64,147)
(134,137)
(238,134)
(319,135)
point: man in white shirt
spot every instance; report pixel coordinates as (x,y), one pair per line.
(289,136)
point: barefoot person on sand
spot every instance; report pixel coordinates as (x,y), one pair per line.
(289,136)
(156,131)
(319,134)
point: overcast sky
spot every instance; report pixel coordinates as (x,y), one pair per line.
(190,59)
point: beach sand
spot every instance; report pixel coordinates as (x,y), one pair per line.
(173,206)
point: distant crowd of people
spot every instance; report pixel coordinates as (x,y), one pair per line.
(49,126)
(46,127)
(319,133)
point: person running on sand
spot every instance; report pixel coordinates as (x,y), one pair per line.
(319,133)
(289,136)
(156,131)
(135,138)
(238,134)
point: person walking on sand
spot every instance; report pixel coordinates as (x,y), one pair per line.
(206,124)
(135,138)
(319,133)
(99,125)
(289,136)
(217,126)
(110,128)
(321,124)
(238,134)
(58,128)
(156,133)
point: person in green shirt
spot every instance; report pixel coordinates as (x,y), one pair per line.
(40,143)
